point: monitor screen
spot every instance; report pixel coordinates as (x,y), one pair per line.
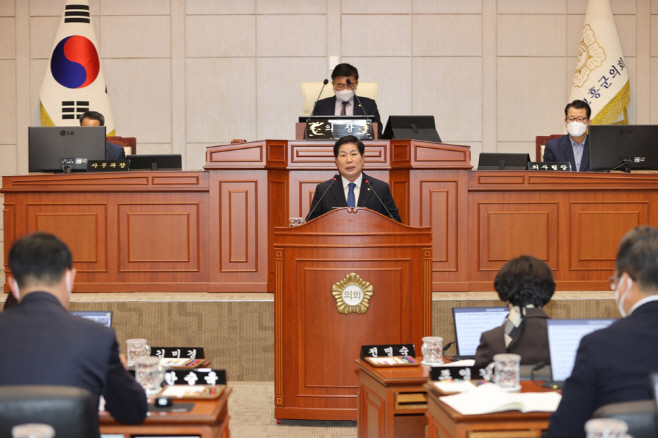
(610,145)
(503,161)
(47,144)
(564,337)
(102,317)
(471,322)
(412,128)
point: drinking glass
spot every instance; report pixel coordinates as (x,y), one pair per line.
(432,350)
(507,371)
(137,348)
(32,430)
(150,374)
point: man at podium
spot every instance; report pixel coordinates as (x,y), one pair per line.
(345,79)
(352,187)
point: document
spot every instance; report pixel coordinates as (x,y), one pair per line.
(489,398)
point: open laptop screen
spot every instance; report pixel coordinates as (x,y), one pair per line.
(470,322)
(103,317)
(564,337)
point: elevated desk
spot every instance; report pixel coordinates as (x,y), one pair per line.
(207,419)
(212,230)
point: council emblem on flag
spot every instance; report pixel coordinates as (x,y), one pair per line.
(74,80)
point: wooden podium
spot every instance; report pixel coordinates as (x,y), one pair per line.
(315,345)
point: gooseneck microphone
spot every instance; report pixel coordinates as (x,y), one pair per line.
(380,200)
(349,82)
(335,178)
(326,81)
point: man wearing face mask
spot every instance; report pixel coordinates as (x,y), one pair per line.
(573,147)
(613,364)
(344,103)
(43,344)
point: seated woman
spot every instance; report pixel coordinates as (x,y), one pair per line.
(525,284)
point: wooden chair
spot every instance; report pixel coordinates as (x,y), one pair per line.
(129,144)
(541,143)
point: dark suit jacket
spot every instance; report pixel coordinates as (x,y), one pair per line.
(335,197)
(43,344)
(560,150)
(114,151)
(612,365)
(327,107)
(532,346)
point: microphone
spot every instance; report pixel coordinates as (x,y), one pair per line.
(380,200)
(326,81)
(349,82)
(334,179)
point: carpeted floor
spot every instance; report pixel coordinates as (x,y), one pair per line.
(251,407)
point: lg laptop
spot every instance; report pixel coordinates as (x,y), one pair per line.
(471,322)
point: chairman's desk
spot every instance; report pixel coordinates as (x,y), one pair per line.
(212,230)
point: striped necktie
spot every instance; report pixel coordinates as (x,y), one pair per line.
(343,111)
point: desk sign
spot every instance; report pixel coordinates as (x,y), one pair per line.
(323,128)
(198,376)
(178,352)
(388,350)
(564,167)
(108,165)
(461,373)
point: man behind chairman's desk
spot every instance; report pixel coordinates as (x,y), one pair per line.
(43,344)
(573,147)
(112,151)
(352,188)
(613,364)
(344,102)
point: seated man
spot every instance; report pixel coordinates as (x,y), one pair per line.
(112,151)
(613,364)
(526,285)
(43,344)
(352,188)
(573,147)
(344,103)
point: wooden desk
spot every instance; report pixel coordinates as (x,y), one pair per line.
(445,422)
(208,419)
(392,401)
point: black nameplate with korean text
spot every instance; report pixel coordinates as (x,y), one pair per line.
(197,376)
(178,352)
(332,128)
(461,373)
(388,350)
(551,167)
(108,165)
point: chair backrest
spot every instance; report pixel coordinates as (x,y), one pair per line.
(640,416)
(310,91)
(129,144)
(540,144)
(69,410)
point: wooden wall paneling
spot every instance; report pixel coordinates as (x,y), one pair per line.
(9,221)
(278,213)
(302,184)
(401,191)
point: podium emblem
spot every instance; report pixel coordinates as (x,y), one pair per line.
(352,294)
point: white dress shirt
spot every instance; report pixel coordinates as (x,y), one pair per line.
(357,189)
(349,109)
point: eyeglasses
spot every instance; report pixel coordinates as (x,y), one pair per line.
(577,119)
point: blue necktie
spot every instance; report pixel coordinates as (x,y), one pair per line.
(351,202)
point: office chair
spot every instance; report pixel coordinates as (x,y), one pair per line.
(640,416)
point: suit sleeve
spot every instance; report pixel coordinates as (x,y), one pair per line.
(483,354)
(378,119)
(316,197)
(549,152)
(388,201)
(124,397)
(578,396)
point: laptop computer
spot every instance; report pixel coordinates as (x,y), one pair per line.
(564,337)
(102,317)
(471,322)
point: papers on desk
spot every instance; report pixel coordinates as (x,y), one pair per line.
(488,398)
(454,386)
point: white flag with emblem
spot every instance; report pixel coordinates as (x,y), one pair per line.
(601,77)
(74,80)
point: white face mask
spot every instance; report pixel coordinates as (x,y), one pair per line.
(344,95)
(576,129)
(620,300)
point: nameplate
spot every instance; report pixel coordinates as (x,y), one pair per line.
(108,165)
(324,128)
(388,350)
(198,376)
(178,352)
(562,167)
(461,373)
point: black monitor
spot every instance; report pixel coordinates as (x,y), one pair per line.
(155,162)
(411,128)
(614,146)
(503,161)
(47,144)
